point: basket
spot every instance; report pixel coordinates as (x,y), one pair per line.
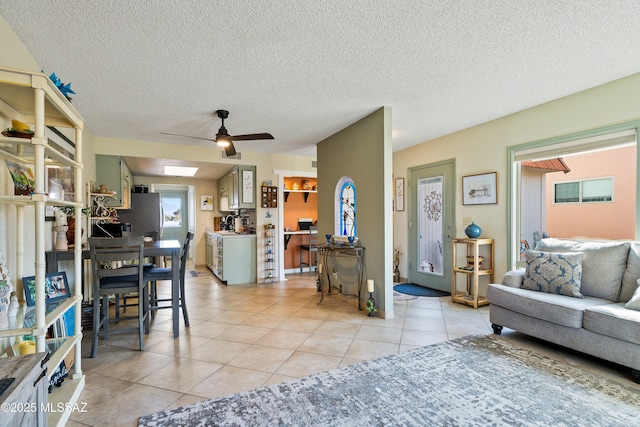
(470,260)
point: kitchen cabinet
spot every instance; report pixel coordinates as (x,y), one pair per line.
(237,189)
(113,172)
(34,99)
(223,193)
(236,258)
(211,252)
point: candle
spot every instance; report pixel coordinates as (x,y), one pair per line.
(27,347)
(319,268)
(370,285)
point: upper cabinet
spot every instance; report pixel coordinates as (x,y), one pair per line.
(113,172)
(243,181)
(237,189)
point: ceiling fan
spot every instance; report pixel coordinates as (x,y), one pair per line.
(223,139)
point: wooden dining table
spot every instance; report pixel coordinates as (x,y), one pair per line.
(155,249)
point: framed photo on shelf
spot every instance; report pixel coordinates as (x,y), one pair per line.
(206,203)
(399,194)
(481,189)
(56,288)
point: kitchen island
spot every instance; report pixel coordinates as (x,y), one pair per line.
(231,257)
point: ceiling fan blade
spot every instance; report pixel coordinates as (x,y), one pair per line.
(252,137)
(187,136)
(230,150)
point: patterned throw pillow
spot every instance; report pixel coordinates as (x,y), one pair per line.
(553,272)
(634,302)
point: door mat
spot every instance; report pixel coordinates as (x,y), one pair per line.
(419,291)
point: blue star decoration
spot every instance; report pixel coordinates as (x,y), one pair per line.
(64,88)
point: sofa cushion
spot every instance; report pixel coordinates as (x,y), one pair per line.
(560,309)
(614,320)
(631,273)
(634,302)
(514,278)
(603,265)
(553,272)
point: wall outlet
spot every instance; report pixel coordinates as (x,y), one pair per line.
(467,220)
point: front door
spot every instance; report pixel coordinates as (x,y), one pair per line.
(431,224)
(175,215)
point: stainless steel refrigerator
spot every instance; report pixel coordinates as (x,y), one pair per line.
(145,215)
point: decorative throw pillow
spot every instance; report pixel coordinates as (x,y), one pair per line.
(634,302)
(553,272)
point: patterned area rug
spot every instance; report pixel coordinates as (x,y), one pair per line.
(473,381)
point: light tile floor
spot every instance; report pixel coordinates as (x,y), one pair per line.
(243,337)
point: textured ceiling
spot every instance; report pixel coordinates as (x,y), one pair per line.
(304,69)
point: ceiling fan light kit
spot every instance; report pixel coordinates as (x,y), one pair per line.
(223,139)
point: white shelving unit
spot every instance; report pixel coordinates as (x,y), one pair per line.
(32,98)
(102,205)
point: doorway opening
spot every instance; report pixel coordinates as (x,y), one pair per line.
(298,209)
(574,188)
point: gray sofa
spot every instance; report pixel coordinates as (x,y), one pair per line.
(585,310)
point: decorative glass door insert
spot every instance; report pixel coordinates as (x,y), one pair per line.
(430,225)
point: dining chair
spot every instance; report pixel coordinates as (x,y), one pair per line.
(117,265)
(311,249)
(154,274)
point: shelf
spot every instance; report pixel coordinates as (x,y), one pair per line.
(479,272)
(59,348)
(52,314)
(21,150)
(305,192)
(463,299)
(66,395)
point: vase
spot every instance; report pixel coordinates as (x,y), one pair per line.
(473,231)
(71,233)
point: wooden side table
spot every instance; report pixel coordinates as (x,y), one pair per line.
(473,268)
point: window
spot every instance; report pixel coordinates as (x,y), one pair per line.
(585,191)
(345,207)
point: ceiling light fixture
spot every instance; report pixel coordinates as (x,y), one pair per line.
(180,171)
(222,138)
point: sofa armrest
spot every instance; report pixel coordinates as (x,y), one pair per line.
(514,278)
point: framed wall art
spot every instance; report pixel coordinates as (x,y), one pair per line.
(206,203)
(481,189)
(399,194)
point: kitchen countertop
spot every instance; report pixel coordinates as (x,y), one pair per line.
(225,233)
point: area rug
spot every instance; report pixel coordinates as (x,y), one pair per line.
(473,381)
(419,291)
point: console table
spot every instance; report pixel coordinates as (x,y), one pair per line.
(327,255)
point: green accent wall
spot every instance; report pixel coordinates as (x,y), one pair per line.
(363,152)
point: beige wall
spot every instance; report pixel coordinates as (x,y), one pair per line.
(362,151)
(483,148)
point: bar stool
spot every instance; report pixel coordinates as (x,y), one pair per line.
(154,274)
(311,249)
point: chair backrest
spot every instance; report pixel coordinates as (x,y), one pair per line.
(313,235)
(185,254)
(117,257)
